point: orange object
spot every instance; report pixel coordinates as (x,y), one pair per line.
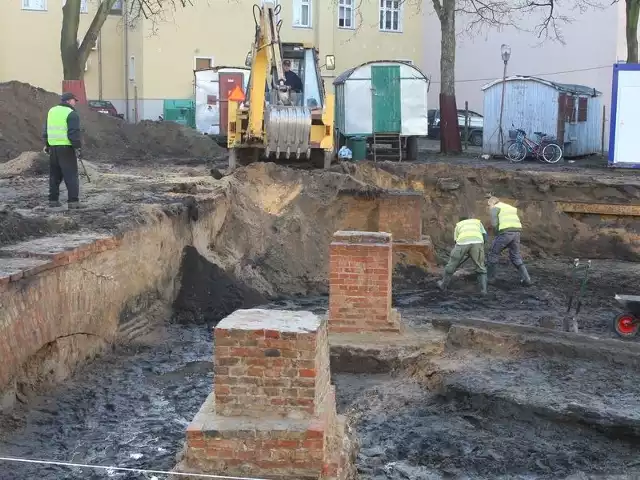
(237,95)
(77,88)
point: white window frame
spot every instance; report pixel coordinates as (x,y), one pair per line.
(84,5)
(26,5)
(117,8)
(347,5)
(297,13)
(384,11)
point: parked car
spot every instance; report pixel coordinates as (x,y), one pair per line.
(104,106)
(476,123)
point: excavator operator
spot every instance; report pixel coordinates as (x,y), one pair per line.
(292,80)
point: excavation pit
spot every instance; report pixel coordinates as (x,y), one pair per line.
(267,230)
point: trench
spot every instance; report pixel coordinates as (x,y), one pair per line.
(267,247)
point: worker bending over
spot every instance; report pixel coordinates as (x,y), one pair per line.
(506,224)
(469,236)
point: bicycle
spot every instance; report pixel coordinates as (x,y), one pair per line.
(521,146)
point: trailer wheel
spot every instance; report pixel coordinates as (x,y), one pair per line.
(476,139)
(625,325)
(412,149)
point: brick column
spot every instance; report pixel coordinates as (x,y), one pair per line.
(272,412)
(400,213)
(360,270)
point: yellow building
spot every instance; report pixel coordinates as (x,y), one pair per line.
(139,67)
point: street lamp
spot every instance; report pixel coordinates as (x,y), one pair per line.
(505,53)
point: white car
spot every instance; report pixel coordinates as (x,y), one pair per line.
(476,123)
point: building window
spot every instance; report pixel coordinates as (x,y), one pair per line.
(346,14)
(582,109)
(40,5)
(570,109)
(390,11)
(117,8)
(203,63)
(302,13)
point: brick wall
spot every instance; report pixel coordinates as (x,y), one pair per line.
(360,270)
(272,411)
(401,215)
(57,287)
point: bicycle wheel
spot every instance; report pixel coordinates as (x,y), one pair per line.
(516,152)
(552,153)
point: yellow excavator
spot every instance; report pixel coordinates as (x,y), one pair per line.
(273,122)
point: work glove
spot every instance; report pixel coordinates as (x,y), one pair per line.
(78,153)
(46,149)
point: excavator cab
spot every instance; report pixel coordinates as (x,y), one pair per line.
(274,123)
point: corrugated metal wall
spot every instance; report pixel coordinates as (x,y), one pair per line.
(529,105)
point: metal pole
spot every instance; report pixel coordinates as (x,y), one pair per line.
(466,125)
(603,123)
(504,78)
(100,65)
(125,9)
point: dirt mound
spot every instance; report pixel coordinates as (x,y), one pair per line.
(23,109)
(26,164)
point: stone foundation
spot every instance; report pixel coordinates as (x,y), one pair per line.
(272,412)
(360,271)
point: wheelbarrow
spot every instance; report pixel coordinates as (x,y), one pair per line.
(627,324)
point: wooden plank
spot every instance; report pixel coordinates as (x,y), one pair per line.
(599,209)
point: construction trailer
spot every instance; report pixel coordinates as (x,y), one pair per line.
(386,102)
(212,89)
(572,114)
(624,125)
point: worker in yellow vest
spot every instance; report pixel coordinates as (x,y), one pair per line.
(62,143)
(469,236)
(506,223)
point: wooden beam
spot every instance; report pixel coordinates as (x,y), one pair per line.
(599,209)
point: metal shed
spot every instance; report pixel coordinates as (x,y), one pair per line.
(570,113)
(212,88)
(384,99)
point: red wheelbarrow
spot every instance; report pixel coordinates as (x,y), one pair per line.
(627,324)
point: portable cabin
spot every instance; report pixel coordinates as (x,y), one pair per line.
(572,114)
(212,89)
(625,97)
(384,101)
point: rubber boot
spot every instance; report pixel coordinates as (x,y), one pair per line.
(444,283)
(482,281)
(491,271)
(525,279)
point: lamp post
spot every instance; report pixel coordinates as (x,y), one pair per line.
(505,53)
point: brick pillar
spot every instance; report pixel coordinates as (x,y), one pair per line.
(360,270)
(272,412)
(400,213)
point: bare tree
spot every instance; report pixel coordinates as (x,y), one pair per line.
(75,53)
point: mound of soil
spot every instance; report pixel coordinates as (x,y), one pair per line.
(23,109)
(207,293)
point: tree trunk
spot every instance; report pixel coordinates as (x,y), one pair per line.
(75,54)
(632,11)
(450,141)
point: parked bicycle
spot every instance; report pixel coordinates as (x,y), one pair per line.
(521,146)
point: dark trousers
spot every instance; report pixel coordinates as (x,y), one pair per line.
(63,165)
(510,240)
(459,254)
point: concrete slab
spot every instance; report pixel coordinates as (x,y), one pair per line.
(278,320)
(50,247)
(13,269)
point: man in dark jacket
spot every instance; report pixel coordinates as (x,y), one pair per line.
(62,142)
(292,80)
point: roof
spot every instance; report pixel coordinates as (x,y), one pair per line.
(561,87)
(344,76)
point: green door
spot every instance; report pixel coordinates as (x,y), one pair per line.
(385,84)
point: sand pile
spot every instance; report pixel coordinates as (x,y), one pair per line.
(23,109)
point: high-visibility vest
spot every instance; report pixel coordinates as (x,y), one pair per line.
(469,230)
(57,126)
(508,217)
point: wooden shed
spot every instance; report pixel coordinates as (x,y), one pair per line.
(570,113)
(212,88)
(383,100)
